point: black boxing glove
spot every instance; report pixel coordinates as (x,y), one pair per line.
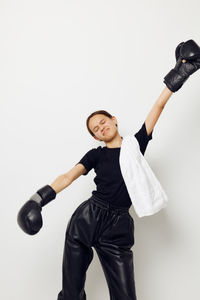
(189,51)
(29,217)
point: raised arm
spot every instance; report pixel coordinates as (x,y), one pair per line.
(187,62)
(156,110)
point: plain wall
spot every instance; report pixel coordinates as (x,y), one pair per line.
(60,61)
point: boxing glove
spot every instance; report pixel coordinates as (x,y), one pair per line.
(29,217)
(189,51)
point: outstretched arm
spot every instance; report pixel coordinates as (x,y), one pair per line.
(156,110)
(62,181)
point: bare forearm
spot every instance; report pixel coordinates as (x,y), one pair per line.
(157,109)
(67,178)
(60,183)
(164,97)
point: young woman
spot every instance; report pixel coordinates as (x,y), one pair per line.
(103,221)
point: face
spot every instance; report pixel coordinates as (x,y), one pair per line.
(103,127)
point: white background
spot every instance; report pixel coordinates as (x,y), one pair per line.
(60,61)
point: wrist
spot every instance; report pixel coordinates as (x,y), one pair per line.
(44,195)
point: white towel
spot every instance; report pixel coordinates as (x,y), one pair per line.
(145,191)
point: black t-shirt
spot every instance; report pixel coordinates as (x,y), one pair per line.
(109,181)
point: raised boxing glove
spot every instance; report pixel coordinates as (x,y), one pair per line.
(189,51)
(29,217)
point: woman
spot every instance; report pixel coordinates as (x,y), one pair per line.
(103,221)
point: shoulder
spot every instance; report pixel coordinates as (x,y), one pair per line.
(94,152)
(90,159)
(143,138)
(142,133)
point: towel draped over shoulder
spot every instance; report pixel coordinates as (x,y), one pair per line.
(145,191)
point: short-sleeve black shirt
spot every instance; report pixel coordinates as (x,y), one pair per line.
(109,181)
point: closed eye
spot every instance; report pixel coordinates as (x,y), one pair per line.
(97,128)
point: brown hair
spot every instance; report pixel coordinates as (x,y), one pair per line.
(103,112)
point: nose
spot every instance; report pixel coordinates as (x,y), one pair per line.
(102,129)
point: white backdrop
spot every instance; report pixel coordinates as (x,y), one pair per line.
(60,61)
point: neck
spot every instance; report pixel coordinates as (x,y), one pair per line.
(115,143)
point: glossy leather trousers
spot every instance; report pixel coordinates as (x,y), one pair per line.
(110,231)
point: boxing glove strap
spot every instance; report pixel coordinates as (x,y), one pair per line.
(46,193)
(37,198)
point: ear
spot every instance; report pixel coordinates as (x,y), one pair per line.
(115,119)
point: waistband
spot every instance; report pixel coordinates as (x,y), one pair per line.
(107,205)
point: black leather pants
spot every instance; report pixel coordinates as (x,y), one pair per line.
(110,230)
